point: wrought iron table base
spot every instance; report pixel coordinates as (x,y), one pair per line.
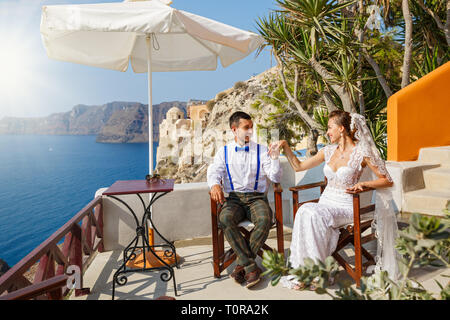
(129,253)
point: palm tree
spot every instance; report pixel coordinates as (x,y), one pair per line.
(305,37)
(325,50)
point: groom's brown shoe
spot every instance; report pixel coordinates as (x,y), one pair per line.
(238,274)
(253,277)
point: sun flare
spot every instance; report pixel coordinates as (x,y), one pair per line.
(28,83)
(14,68)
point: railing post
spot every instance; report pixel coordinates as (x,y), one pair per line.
(86,240)
(61,270)
(46,270)
(99,218)
(76,258)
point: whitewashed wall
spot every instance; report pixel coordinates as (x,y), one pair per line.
(185,212)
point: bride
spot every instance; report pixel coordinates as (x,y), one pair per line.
(316,227)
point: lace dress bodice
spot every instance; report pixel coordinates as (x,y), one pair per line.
(344,177)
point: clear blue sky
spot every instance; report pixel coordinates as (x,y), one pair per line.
(33,85)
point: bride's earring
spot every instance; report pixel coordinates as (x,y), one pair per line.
(342,155)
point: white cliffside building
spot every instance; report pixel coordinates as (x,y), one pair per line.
(180,139)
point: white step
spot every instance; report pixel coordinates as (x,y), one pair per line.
(437,179)
(436,154)
(426,201)
(413,174)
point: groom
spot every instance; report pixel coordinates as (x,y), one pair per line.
(243,165)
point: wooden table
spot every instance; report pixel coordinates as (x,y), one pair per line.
(144,257)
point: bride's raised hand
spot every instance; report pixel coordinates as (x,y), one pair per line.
(360,186)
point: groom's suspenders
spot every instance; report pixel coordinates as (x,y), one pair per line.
(257,170)
(228,169)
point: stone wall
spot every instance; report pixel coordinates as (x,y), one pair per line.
(185,213)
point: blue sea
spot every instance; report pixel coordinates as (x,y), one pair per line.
(46,180)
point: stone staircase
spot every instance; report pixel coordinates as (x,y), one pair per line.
(426,182)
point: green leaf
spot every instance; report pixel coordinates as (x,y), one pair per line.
(275,280)
(308,262)
(321,290)
(329,262)
(426,243)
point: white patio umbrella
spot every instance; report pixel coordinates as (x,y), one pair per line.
(150,34)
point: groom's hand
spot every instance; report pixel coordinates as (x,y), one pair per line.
(217,194)
(274,150)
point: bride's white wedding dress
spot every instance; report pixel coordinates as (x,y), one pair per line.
(316,227)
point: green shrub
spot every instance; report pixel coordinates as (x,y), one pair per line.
(239,85)
(210,104)
(220,96)
(256,105)
(424,242)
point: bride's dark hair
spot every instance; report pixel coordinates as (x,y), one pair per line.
(343,118)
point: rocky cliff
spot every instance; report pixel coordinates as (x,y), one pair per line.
(131,125)
(244,96)
(112,122)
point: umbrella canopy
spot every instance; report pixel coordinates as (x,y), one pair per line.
(150,35)
(109,35)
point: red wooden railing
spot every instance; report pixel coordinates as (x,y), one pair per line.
(78,250)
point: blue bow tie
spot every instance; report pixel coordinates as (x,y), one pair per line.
(246,148)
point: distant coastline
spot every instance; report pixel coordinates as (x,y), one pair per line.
(114,122)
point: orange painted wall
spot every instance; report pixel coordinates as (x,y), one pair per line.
(419,116)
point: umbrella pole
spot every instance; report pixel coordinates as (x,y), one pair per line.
(150,122)
(150,111)
(172,259)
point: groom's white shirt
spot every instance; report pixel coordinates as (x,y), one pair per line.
(243,168)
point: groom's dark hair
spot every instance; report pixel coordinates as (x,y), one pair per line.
(237,116)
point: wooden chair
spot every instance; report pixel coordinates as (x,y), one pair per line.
(350,233)
(222,259)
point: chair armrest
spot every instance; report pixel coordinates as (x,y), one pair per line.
(360,191)
(308,186)
(215,206)
(277,188)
